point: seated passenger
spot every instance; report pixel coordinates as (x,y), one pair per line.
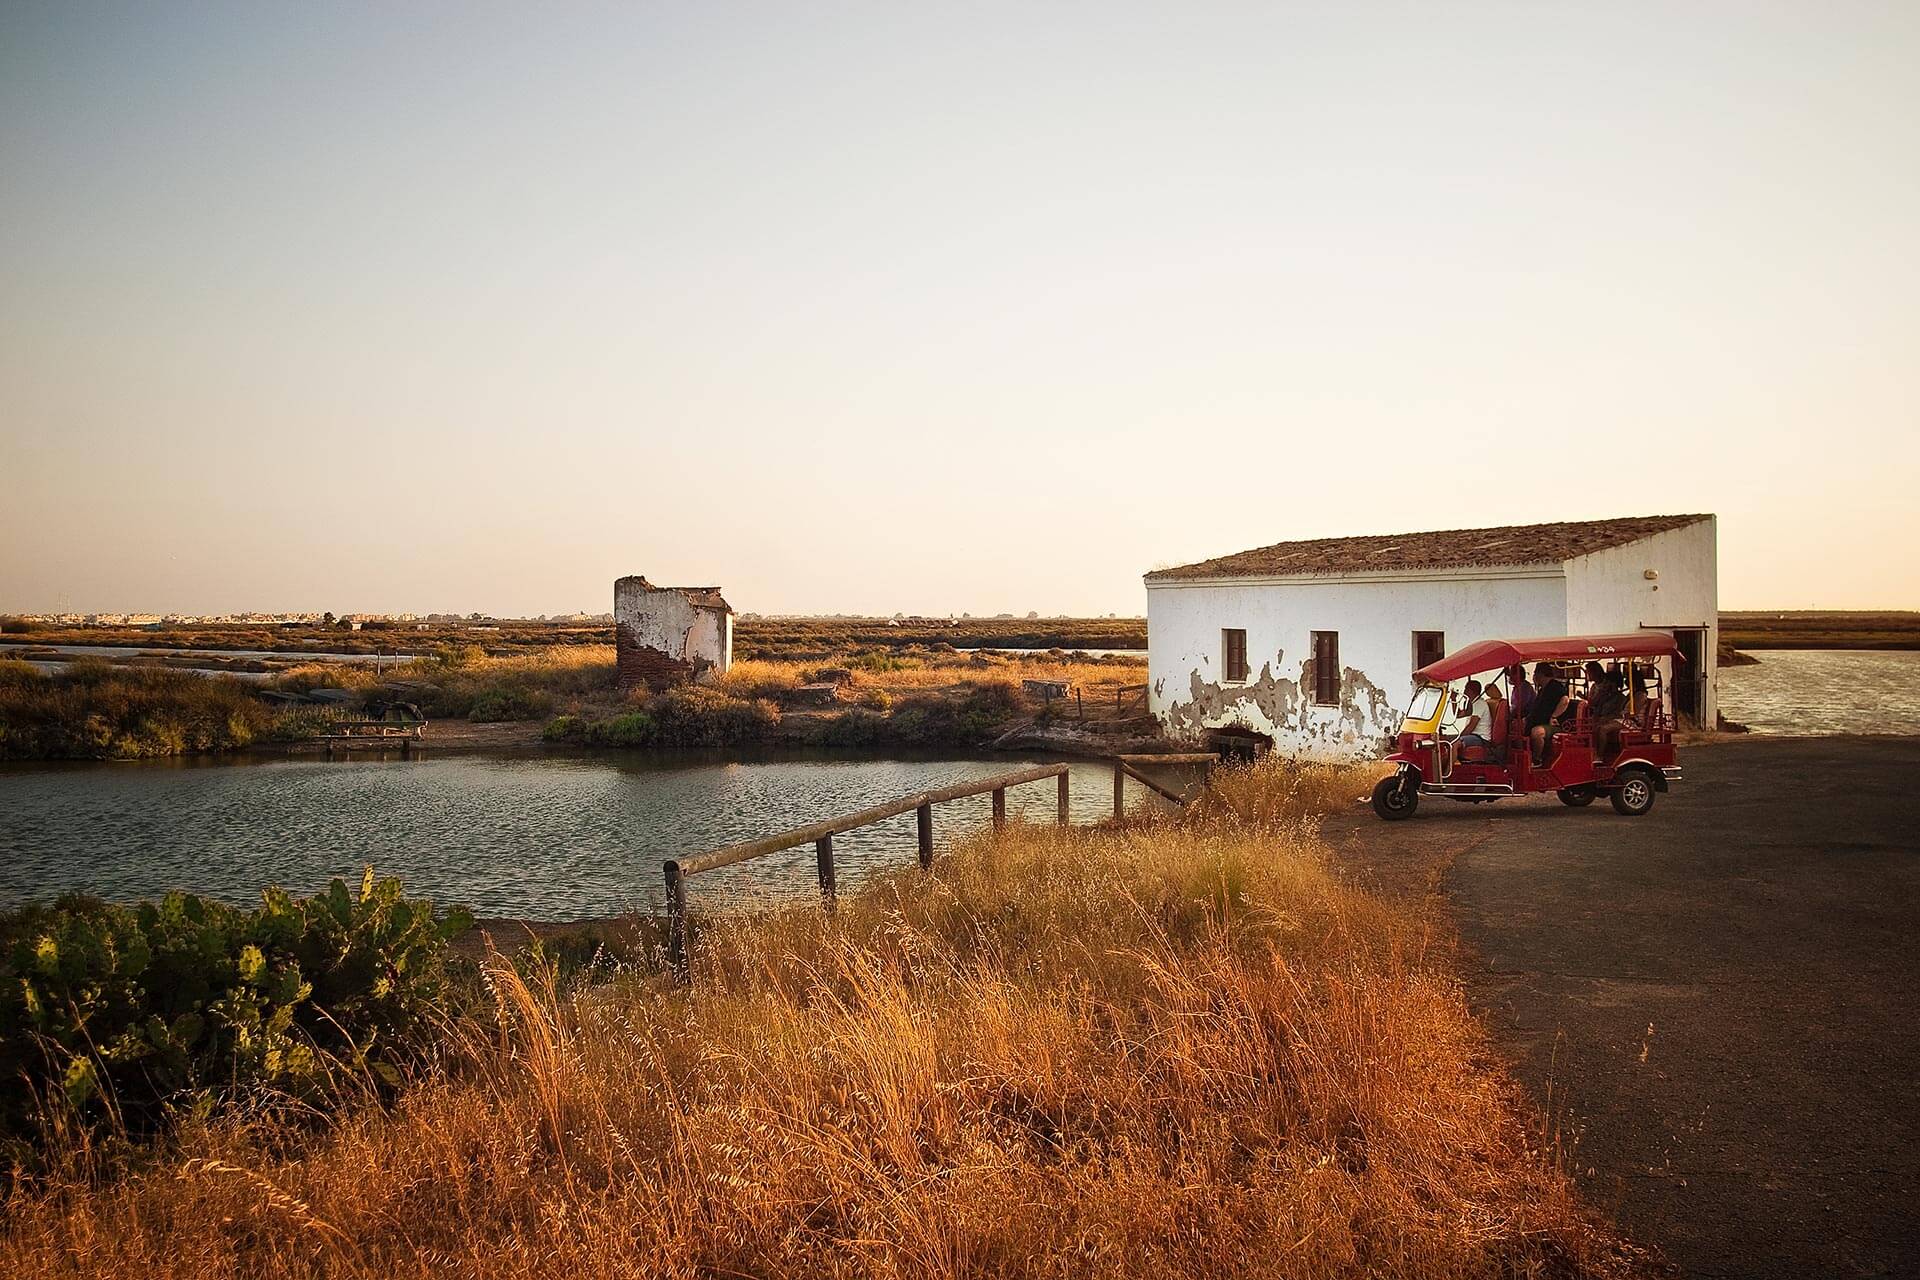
(1500,724)
(1550,704)
(1476,719)
(1606,704)
(1519,692)
(1647,708)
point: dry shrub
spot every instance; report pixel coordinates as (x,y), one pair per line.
(1179,1049)
(966,668)
(758,678)
(1275,791)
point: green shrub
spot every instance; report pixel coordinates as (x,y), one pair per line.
(692,715)
(877,660)
(685,716)
(95,711)
(508,702)
(635,729)
(129,1012)
(565,729)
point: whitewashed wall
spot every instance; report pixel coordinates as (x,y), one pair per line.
(657,629)
(1609,591)
(1376,617)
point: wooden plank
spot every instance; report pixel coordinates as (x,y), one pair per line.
(1150,784)
(677,921)
(716,858)
(823,865)
(1173,757)
(962,790)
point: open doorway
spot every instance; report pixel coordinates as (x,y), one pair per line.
(1236,743)
(1689,684)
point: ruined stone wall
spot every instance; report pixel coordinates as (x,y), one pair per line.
(662,638)
(1375,618)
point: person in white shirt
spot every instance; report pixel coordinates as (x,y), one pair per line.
(1476,722)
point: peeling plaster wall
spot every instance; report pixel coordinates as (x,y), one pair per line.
(1376,617)
(661,637)
(1609,591)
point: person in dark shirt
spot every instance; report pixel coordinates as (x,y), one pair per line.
(1550,702)
(1606,704)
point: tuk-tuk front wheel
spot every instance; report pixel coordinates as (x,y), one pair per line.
(1578,797)
(1396,797)
(1634,796)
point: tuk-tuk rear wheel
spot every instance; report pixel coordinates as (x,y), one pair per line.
(1578,797)
(1396,797)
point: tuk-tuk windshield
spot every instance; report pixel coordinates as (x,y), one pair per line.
(1424,709)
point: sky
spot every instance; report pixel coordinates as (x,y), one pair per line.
(923,307)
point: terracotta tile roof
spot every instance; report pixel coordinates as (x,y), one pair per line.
(1519,544)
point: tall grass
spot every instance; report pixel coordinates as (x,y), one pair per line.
(1181,1049)
(468,683)
(93,711)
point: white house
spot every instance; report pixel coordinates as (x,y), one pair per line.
(1313,644)
(669,635)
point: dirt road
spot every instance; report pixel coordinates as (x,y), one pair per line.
(1717,1005)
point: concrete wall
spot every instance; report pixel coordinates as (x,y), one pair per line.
(1375,616)
(1609,591)
(662,637)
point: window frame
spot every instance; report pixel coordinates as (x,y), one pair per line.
(1326,668)
(1228,673)
(1440,639)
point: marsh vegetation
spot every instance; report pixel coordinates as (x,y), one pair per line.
(1181,1046)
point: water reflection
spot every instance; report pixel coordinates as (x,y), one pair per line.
(1814,691)
(537,837)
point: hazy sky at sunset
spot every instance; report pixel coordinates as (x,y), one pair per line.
(930,307)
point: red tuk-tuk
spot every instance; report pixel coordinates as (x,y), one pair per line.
(1632,762)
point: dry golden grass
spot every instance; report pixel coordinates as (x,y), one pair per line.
(769,678)
(1184,1049)
(1086,675)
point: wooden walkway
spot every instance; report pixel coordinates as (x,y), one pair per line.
(820,834)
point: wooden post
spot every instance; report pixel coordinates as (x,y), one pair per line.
(677,922)
(924,820)
(1119,790)
(999,806)
(823,862)
(1061,816)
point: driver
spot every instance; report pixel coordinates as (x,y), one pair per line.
(1476,725)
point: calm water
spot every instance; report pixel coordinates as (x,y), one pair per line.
(1813,691)
(536,837)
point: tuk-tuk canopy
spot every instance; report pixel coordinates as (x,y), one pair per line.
(1494,655)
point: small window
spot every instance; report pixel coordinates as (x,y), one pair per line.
(1428,648)
(1326,668)
(1233,647)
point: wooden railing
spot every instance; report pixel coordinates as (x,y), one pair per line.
(821,834)
(1124,767)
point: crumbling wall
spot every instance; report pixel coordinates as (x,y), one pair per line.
(1277,708)
(665,635)
(1375,620)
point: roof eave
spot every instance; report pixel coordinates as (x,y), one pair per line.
(1456,573)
